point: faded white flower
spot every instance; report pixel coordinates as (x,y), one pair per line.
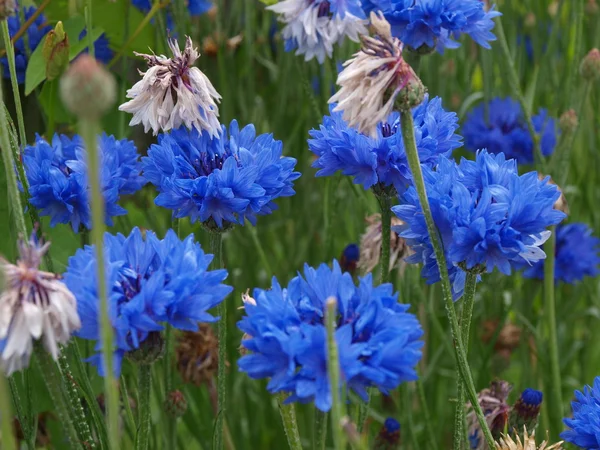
(493,404)
(173,93)
(370,245)
(528,443)
(312,28)
(372,80)
(33,305)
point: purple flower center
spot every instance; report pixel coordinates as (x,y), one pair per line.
(388,130)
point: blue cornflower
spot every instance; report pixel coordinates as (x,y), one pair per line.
(58,184)
(227,179)
(506,131)
(585,425)
(194,7)
(526,410)
(382,160)
(436,23)
(378,339)
(577,255)
(350,257)
(102,51)
(388,437)
(35,33)
(152,282)
(487,215)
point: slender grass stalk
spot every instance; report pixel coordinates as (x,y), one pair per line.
(333,368)
(363,412)
(216,248)
(22,417)
(171,422)
(290,425)
(386,229)
(513,79)
(259,248)
(129,418)
(319,430)
(143,427)
(10,55)
(460,430)
(89,132)
(53,383)
(327,217)
(408,135)
(556,405)
(574,65)
(430,434)
(88,26)
(6,423)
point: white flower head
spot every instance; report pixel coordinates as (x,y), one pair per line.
(528,443)
(313,29)
(493,402)
(33,305)
(173,93)
(370,246)
(372,79)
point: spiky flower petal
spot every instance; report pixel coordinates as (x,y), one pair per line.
(528,443)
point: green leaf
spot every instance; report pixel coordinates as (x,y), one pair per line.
(36,67)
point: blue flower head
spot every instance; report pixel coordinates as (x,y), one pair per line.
(505,130)
(382,161)
(577,255)
(584,426)
(35,33)
(194,7)
(58,182)
(102,51)
(378,340)
(435,24)
(152,282)
(350,257)
(487,215)
(389,435)
(225,180)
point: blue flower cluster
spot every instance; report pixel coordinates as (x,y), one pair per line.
(378,339)
(436,23)
(35,33)
(505,130)
(227,179)
(102,51)
(487,215)
(585,424)
(152,282)
(577,255)
(382,160)
(58,181)
(194,7)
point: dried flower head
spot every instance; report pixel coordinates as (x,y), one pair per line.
(506,442)
(560,204)
(7,8)
(33,305)
(493,403)
(196,355)
(370,245)
(374,79)
(568,121)
(508,338)
(172,93)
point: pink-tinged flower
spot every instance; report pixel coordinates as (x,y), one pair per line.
(172,93)
(33,305)
(373,79)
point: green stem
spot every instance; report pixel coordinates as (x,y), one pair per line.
(10,55)
(408,135)
(320,430)
(426,416)
(550,313)
(363,411)
(327,217)
(386,230)
(89,132)
(79,418)
(261,252)
(123,81)
(129,419)
(6,425)
(53,383)
(513,79)
(574,65)
(333,367)
(26,425)
(460,430)
(290,425)
(216,247)
(88,26)
(143,426)
(50,126)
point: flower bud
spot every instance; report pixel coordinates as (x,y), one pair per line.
(590,66)
(349,259)
(56,52)
(412,94)
(530,20)
(389,436)
(7,8)
(526,410)
(175,404)
(553,8)
(591,7)
(568,121)
(87,89)
(149,351)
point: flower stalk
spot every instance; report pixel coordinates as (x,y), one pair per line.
(143,426)
(320,430)
(386,229)
(10,55)
(290,424)
(407,126)
(333,368)
(6,426)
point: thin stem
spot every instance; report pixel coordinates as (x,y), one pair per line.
(10,55)
(143,426)
(327,217)
(290,425)
(460,430)
(89,132)
(363,411)
(408,135)
(53,383)
(333,368)
(426,416)
(88,25)
(513,79)
(124,69)
(6,425)
(216,247)
(320,430)
(550,313)
(386,230)
(261,252)
(28,430)
(574,65)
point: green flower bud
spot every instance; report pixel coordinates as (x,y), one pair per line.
(568,121)
(590,66)
(175,404)
(56,52)
(412,94)
(149,351)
